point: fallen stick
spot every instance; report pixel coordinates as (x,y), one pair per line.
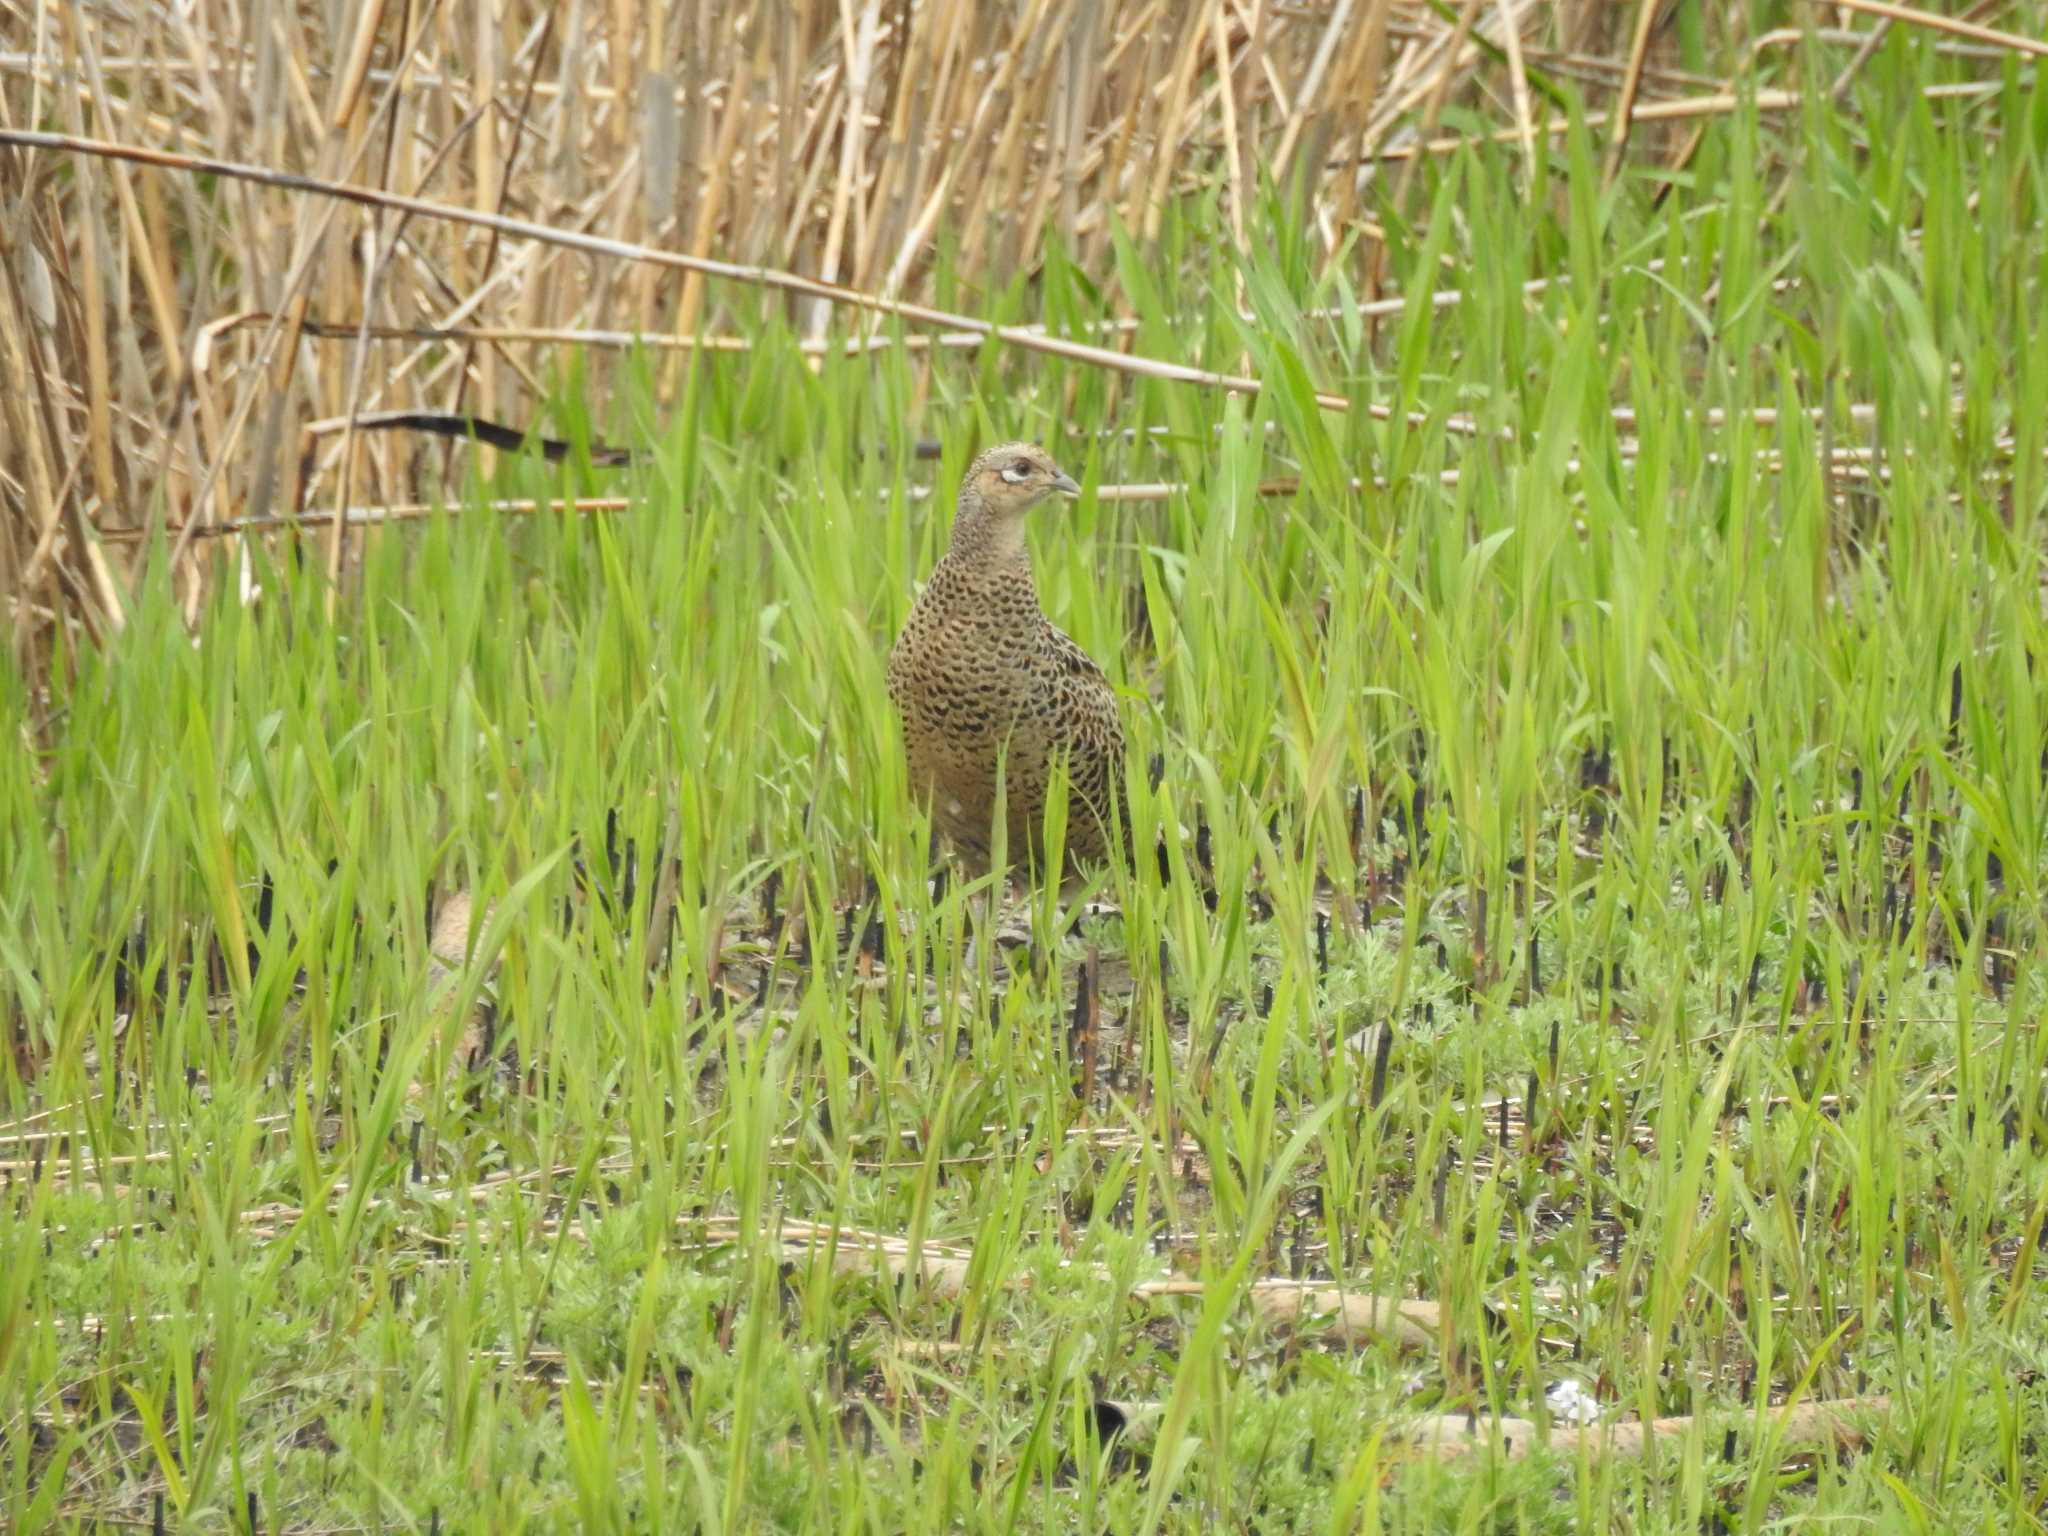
(598,245)
(1451,1436)
(943,1269)
(1448,1436)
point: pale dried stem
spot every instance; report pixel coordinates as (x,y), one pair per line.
(1453,1435)
(1518,82)
(1624,107)
(1955,26)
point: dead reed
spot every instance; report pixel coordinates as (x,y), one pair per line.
(164,337)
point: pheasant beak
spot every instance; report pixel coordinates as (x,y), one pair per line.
(1065,484)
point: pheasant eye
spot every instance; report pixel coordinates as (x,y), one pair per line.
(1017,470)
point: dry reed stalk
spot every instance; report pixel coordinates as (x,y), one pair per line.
(27,308)
(1954,26)
(707,214)
(1435,91)
(1712,104)
(1451,1435)
(858,38)
(1518,82)
(384,514)
(1357,89)
(1632,79)
(946,1270)
(487,385)
(93,249)
(604,340)
(1311,85)
(1023,337)
(1844,463)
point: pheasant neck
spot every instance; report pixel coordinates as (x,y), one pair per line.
(983,540)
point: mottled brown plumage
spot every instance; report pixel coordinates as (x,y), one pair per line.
(979,668)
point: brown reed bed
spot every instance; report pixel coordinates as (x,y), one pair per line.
(165,336)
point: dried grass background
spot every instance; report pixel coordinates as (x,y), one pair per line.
(165,340)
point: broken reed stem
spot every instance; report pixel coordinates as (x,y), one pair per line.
(1845,461)
(1631,82)
(1024,338)
(1681,109)
(597,245)
(1450,1435)
(1518,81)
(945,1271)
(1954,26)
(373,517)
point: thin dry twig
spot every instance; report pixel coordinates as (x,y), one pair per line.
(946,1270)
(1954,26)
(1452,1435)
(764,277)
(1632,79)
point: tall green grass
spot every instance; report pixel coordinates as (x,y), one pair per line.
(1681,819)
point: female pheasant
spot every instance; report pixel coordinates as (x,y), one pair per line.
(980,674)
